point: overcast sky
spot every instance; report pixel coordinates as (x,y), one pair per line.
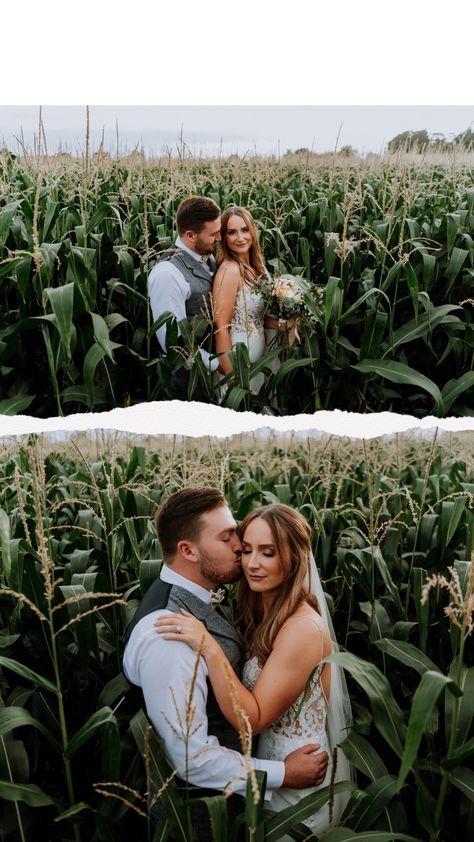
(254,51)
(230,57)
(241,129)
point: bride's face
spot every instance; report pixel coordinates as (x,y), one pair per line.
(238,236)
(261,560)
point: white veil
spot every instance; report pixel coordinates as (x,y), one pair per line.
(339,712)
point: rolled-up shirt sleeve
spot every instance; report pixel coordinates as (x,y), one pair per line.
(167,291)
(166,670)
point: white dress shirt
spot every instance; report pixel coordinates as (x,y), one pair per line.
(169,290)
(163,669)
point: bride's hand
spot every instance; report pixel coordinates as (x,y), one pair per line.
(271,322)
(187,628)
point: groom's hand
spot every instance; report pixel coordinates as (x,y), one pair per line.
(303,768)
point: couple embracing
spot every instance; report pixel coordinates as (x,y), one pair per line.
(188,282)
(295,702)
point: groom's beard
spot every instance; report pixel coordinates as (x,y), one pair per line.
(203,248)
(219,573)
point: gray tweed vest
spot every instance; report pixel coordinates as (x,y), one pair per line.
(199,279)
(162,595)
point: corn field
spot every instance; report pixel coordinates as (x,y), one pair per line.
(79,550)
(387,245)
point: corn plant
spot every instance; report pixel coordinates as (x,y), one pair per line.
(393,529)
(388,244)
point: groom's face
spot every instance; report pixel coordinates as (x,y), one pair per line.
(219,547)
(208,236)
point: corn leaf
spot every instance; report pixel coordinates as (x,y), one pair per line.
(463,779)
(284,820)
(6,215)
(148,573)
(450,516)
(92,359)
(424,701)
(101,334)
(72,811)
(407,654)
(15,405)
(161,772)
(453,388)
(387,714)
(217,809)
(465,705)
(62,304)
(27,673)
(254,807)
(459,755)
(345,834)
(17,717)
(456,262)
(363,756)
(401,373)
(379,794)
(371,293)
(333,297)
(94,724)
(28,793)
(421,326)
(288,366)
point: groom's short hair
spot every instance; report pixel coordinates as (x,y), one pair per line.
(194,212)
(179,517)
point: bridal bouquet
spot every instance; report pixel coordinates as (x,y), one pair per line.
(286,298)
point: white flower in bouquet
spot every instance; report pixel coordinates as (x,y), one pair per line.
(286,298)
(285,295)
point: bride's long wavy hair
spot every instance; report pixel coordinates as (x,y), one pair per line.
(255,253)
(291,534)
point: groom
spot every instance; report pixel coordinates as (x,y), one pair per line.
(201,548)
(181,281)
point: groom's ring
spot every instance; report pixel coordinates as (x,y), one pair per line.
(179,629)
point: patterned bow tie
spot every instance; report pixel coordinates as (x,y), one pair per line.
(217,596)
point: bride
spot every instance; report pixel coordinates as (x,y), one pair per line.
(238,307)
(290,696)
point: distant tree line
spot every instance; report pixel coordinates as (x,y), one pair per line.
(416,141)
(411,141)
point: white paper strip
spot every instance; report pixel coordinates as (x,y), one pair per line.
(197,419)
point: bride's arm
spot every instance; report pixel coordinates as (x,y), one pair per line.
(224,294)
(283,676)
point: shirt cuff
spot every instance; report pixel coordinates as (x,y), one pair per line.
(275,770)
(211,364)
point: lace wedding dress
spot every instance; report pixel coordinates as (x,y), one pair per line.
(247,327)
(304,722)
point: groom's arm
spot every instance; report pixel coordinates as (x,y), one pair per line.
(167,291)
(165,670)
